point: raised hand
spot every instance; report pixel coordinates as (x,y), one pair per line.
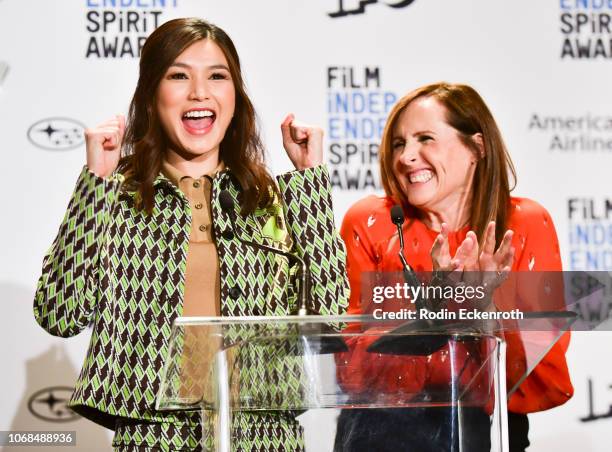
(499,260)
(103,144)
(489,267)
(303,143)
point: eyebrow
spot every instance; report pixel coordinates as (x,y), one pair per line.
(187,66)
(415,134)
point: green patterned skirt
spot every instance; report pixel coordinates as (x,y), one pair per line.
(252,432)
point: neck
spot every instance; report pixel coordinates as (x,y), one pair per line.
(455,213)
(193,165)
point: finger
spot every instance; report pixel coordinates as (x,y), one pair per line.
(471,264)
(112,122)
(437,257)
(315,134)
(471,257)
(444,229)
(489,241)
(299,132)
(464,250)
(505,245)
(109,137)
(445,245)
(100,133)
(111,142)
(286,128)
(440,253)
(437,244)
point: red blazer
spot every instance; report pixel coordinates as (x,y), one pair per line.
(372,246)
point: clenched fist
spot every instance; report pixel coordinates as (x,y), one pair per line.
(303,143)
(103,144)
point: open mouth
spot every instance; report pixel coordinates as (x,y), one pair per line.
(198,121)
(420,177)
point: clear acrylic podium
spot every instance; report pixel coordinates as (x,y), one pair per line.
(222,366)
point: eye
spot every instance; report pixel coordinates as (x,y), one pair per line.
(424,138)
(177,76)
(398,144)
(219,76)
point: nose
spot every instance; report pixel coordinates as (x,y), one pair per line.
(199,89)
(409,153)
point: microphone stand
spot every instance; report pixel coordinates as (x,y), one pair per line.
(310,335)
(421,344)
(227,204)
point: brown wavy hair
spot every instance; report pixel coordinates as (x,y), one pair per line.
(145,143)
(468,114)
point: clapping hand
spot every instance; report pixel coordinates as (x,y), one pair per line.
(487,266)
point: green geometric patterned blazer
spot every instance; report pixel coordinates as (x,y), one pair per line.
(122,271)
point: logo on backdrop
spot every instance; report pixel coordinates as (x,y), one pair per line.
(51,404)
(357,108)
(569,134)
(590,233)
(586,29)
(352,7)
(57,134)
(119,28)
(593,414)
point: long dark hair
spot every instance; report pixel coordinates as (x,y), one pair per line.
(145,143)
(468,114)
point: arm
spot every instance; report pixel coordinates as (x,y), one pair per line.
(360,254)
(310,219)
(549,384)
(66,292)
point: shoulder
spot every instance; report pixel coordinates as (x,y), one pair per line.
(527,217)
(525,212)
(369,216)
(368,207)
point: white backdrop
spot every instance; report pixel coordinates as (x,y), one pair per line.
(543,66)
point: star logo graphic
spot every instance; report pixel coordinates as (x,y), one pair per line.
(57,134)
(49,130)
(51,404)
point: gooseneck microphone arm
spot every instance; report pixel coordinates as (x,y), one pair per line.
(397,218)
(227,204)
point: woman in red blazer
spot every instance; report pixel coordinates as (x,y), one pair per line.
(443,159)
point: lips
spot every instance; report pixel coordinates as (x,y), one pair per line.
(198,121)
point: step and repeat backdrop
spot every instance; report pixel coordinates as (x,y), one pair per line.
(543,66)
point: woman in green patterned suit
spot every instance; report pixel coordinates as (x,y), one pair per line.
(145,238)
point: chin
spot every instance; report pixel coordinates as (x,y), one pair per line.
(418,199)
(194,147)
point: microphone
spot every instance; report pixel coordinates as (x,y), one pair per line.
(227,204)
(397,218)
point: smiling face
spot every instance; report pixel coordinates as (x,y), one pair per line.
(433,166)
(196,100)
